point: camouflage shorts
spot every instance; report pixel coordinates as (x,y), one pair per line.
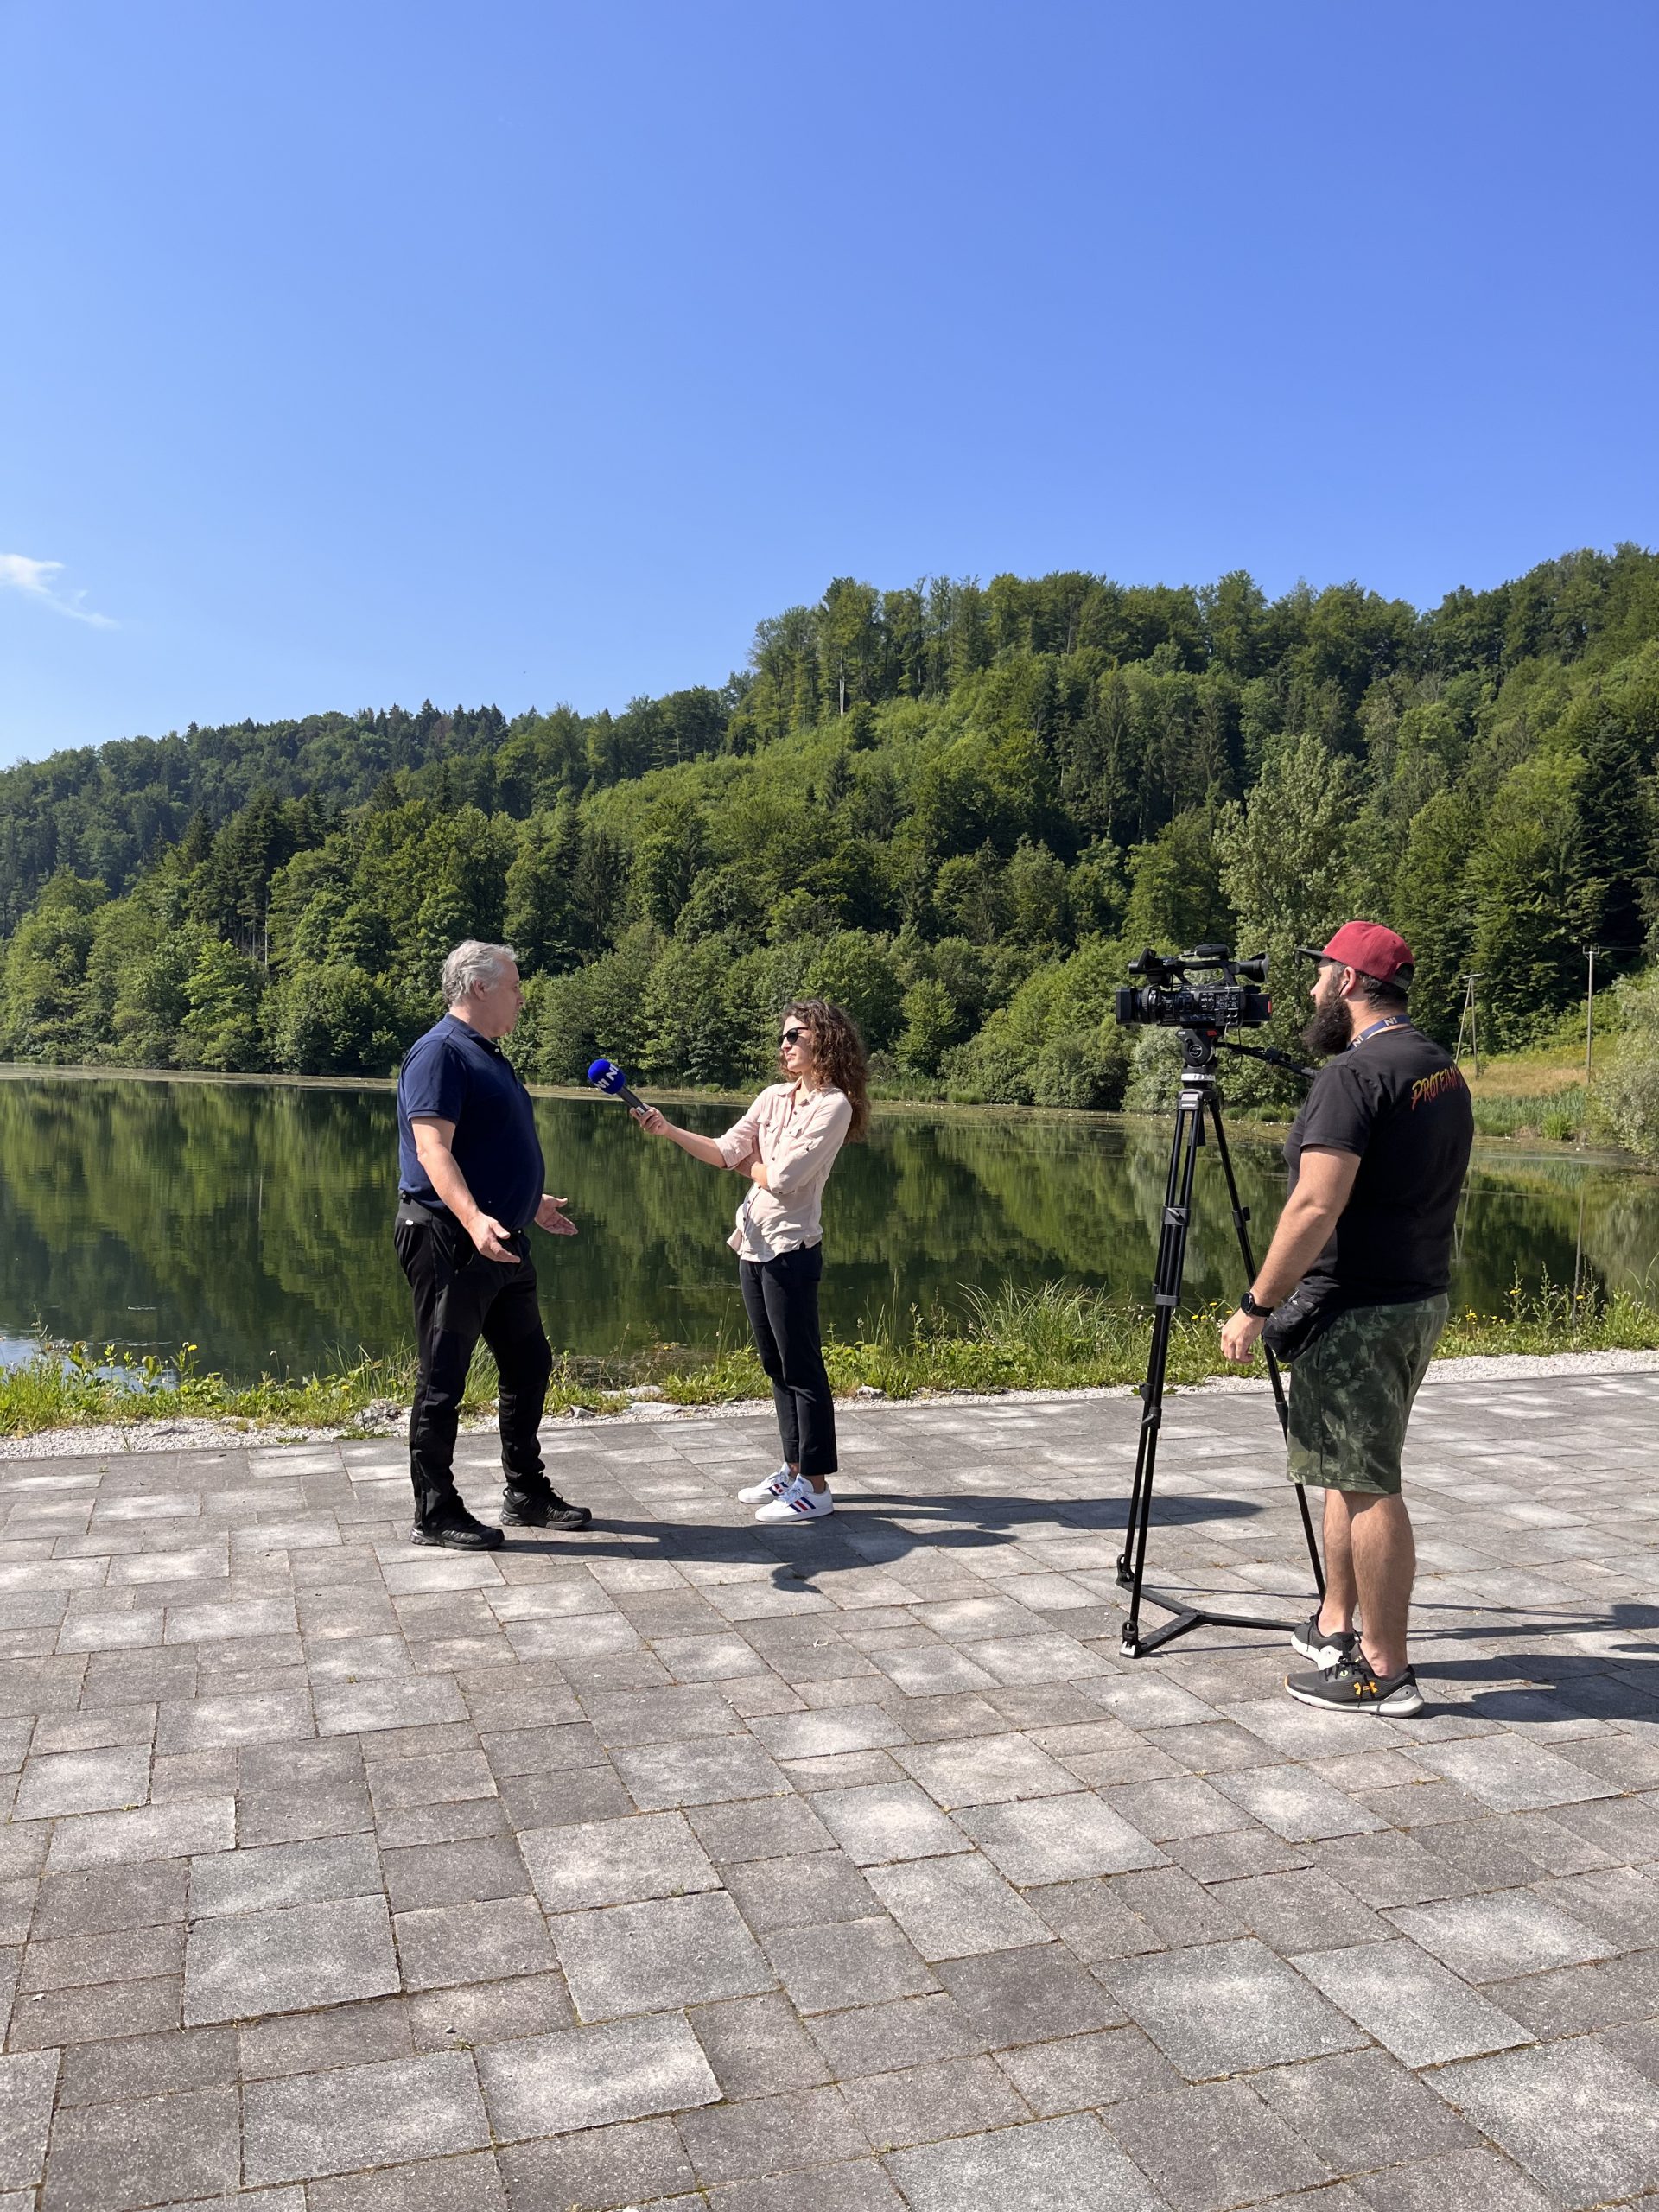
(1351,1393)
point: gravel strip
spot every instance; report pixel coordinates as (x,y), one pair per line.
(112,1440)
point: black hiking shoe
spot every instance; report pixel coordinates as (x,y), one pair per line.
(540,1508)
(1324,1646)
(451,1525)
(1352,1686)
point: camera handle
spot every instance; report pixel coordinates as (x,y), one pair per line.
(1271,1054)
(1199,1099)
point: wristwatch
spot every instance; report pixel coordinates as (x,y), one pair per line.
(1247,1305)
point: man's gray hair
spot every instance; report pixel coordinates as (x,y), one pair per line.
(473,961)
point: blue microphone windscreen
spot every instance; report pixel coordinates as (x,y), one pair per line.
(605,1075)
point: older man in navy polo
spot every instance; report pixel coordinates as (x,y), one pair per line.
(470,1172)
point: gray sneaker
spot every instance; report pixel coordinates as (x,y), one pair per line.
(1324,1647)
(1352,1686)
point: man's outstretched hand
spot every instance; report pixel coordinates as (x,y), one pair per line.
(494,1241)
(550,1215)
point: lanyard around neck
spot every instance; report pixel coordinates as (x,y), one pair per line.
(1389,1021)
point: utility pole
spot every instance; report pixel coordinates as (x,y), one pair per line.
(1590,952)
(1469,1021)
(1590,1024)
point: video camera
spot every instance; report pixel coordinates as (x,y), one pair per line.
(1168,997)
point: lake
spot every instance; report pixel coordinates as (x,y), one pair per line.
(253,1220)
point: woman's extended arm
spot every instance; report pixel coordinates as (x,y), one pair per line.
(703,1148)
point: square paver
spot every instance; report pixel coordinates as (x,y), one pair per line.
(1064,2165)
(616,1862)
(1410,2003)
(772,2136)
(360,1708)
(1504,1932)
(151,1832)
(356,2116)
(1226,2007)
(1218,2146)
(641,1958)
(109,2157)
(1028,1996)
(1303,1910)
(468,2182)
(1107,2067)
(888,1821)
(923,2104)
(83,1782)
(1458,2181)
(1301,1807)
(27,2084)
(447,1946)
(985,1770)
(1513,1774)
(850,1962)
(1361,2109)
(758,2047)
(659,1777)
(1057,1838)
(245,1964)
(1579,2120)
(952,1907)
(1180,1807)
(265,1878)
(593,2077)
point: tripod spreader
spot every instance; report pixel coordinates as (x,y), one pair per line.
(1199,1101)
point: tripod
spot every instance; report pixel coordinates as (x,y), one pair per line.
(1199,1097)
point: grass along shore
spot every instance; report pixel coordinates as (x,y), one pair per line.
(1048,1338)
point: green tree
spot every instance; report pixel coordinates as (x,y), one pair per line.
(221,1028)
(1523,874)
(42,992)
(333,1020)
(542,918)
(1287,871)
(1034,887)
(666,860)
(932,1025)
(857,970)
(1176,898)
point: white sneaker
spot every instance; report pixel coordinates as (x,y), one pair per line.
(773,1486)
(800,1502)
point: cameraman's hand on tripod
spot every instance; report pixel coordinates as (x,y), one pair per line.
(1238,1337)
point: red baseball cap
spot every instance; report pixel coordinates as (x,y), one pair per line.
(1373,950)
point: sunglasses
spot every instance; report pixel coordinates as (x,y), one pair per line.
(793,1036)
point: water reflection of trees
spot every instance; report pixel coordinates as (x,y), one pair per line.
(254,1219)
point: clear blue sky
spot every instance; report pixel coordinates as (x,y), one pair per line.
(524,351)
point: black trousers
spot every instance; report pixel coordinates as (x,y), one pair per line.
(460,1296)
(781,1299)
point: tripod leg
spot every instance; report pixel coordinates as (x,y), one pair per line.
(1166,1295)
(1241,1222)
(1151,1398)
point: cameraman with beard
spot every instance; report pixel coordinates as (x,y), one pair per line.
(1360,1265)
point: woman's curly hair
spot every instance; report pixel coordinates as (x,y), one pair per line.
(837,1055)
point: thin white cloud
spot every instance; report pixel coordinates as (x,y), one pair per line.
(38,579)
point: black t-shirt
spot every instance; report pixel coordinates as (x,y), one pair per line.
(1399,1101)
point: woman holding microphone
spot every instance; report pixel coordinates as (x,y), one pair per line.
(786,1146)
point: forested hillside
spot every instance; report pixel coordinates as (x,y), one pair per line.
(957,809)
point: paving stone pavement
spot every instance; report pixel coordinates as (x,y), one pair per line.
(685,1863)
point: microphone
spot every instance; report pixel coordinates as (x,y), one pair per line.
(606,1076)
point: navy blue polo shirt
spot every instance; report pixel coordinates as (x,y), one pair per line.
(452,1074)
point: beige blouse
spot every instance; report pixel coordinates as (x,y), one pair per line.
(796,1135)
